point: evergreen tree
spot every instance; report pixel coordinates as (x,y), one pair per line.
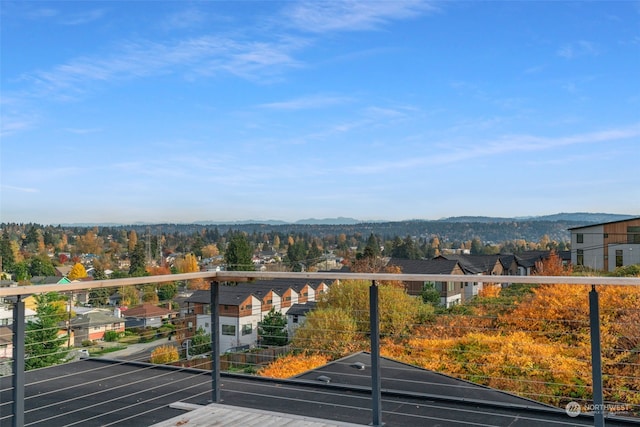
(273,329)
(372,250)
(43,347)
(297,255)
(238,255)
(138,266)
(6,253)
(200,343)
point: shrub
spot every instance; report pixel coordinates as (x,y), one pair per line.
(165,354)
(111,336)
(87,343)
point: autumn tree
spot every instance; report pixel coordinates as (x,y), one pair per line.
(187,264)
(210,251)
(164,354)
(77,272)
(331,331)
(132,241)
(149,294)
(130,296)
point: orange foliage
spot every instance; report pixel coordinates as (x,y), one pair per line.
(292,365)
(158,270)
(489,290)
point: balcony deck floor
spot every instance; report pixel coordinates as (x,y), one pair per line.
(219,415)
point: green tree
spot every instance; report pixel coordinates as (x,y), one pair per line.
(41,266)
(167,291)
(200,343)
(297,255)
(6,253)
(138,259)
(430,295)
(314,256)
(43,347)
(273,329)
(372,250)
(238,255)
(99,296)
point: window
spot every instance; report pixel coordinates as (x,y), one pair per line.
(248,307)
(295,318)
(633,234)
(605,235)
(269,301)
(580,257)
(287,298)
(579,238)
(228,329)
(619,258)
(450,286)
(247,329)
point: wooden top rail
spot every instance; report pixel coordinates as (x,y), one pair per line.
(244,276)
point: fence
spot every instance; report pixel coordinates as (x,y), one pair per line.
(557,340)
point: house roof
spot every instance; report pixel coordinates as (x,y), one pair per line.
(94,319)
(301,309)
(234,295)
(475,264)
(606,223)
(147,310)
(98,392)
(424,266)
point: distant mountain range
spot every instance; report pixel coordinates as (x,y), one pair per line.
(576,217)
(585,217)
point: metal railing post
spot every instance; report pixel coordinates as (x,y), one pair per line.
(215,342)
(18,362)
(376,380)
(596,358)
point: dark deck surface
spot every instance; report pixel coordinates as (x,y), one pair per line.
(99,392)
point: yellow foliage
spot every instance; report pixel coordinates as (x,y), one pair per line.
(77,272)
(292,365)
(164,354)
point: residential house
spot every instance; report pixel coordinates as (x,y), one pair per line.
(240,311)
(147,316)
(606,246)
(297,315)
(451,293)
(93,325)
(242,307)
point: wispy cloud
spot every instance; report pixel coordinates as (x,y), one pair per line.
(82,131)
(351,15)
(577,49)
(205,55)
(188,18)
(84,17)
(19,189)
(501,145)
(306,103)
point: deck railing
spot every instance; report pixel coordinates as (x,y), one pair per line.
(588,392)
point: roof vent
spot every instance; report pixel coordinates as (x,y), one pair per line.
(359,365)
(324,379)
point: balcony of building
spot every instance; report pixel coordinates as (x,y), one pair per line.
(476,363)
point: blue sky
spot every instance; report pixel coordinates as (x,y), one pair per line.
(186,111)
